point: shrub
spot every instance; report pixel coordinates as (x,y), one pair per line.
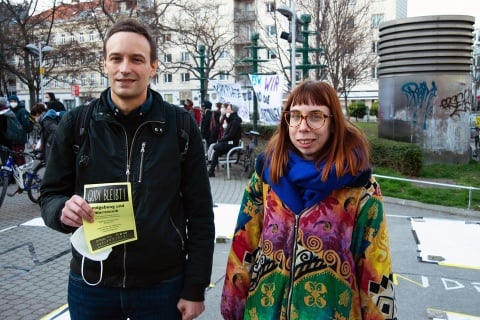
(374,109)
(402,157)
(357,110)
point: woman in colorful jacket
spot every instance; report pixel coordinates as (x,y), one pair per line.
(311,238)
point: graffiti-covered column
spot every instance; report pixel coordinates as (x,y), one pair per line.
(425,84)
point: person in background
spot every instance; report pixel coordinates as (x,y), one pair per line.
(230,139)
(132,138)
(311,239)
(4,141)
(48,120)
(53,103)
(188,105)
(215,124)
(222,120)
(24,118)
(205,123)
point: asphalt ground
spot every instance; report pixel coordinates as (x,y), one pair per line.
(34,261)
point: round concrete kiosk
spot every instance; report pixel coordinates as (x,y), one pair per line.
(425,84)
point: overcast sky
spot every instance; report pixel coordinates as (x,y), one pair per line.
(440,7)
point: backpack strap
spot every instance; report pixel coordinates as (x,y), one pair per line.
(82,122)
(183,130)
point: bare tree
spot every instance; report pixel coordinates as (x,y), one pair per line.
(344,31)
(195,24)
(18,25)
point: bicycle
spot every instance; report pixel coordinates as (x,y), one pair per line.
(28,177)
(249,155)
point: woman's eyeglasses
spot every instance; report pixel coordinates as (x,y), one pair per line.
(314,120)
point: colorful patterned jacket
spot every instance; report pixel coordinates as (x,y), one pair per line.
(332,261)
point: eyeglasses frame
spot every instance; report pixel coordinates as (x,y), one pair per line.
(325,117)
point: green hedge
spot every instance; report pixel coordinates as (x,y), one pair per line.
(402,157)
(266,132)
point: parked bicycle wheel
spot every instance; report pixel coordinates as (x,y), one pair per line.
(248,162)
(34,182)
(4,179)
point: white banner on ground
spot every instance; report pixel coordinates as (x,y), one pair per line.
(269,91)
(232,93)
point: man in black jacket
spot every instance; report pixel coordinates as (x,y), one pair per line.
(132,139)
(231,137)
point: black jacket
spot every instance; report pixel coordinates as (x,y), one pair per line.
(233,132)
(171,199)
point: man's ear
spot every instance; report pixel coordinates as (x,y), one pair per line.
(154,68)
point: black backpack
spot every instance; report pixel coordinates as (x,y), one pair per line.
(85,113)
(14,133)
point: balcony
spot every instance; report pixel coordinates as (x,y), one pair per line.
(242,15)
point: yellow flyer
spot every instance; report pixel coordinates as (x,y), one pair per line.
(114,221)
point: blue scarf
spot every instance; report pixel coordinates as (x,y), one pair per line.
(302,187)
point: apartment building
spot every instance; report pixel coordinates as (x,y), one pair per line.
(241,19)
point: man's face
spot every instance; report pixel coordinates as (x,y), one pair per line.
(127,63)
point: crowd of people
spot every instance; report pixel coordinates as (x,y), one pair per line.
(311,240)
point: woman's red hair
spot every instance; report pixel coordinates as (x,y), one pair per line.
(347,148)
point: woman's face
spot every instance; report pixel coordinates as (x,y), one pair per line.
(310,141)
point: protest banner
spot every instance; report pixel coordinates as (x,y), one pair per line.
(269,92)
(232,93)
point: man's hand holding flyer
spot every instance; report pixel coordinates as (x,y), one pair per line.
(114,221)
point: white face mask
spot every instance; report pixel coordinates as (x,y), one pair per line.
(79,242)
(228,115)
(223,110)
(224,125)
(13,104)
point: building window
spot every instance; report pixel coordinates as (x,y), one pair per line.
(272,54)
(374,72)
(377,19)
(223,76)
(80,37)
(92,79)
(167,37)
(103,80)
(168,97)
(167,78)
(62,38)
(185,77)
(374,46)
(270,6)
(271,30)
(185,57)
(72,38)
(167,57)
(91,36)
(223,54)
(83,80)
(350,23)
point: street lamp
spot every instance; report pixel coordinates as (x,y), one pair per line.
(38,51)
(295,21)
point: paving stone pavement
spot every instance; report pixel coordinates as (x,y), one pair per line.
(34,261)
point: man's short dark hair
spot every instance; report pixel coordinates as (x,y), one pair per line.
(135,26)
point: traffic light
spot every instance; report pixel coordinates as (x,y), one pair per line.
(292,17)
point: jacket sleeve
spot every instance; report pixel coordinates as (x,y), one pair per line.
(244,243)
(59,179)
(371,250)
(198,204)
